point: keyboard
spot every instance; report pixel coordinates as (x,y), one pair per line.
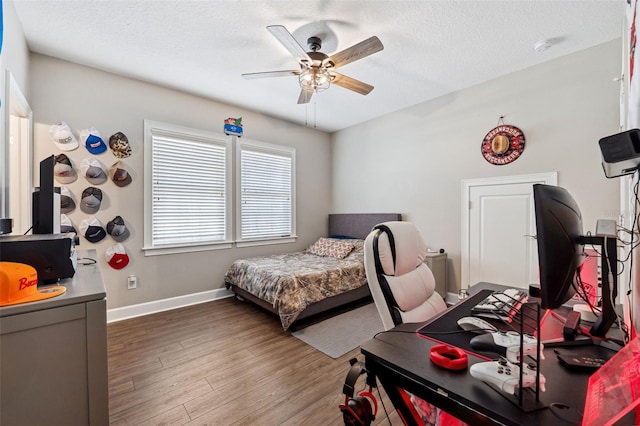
(503,305)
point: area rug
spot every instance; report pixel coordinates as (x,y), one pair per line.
(338,335)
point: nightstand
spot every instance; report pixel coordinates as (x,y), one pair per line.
(437,262)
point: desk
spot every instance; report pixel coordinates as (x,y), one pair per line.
(53,355)
(400,358)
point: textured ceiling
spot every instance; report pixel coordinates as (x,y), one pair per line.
(431,48)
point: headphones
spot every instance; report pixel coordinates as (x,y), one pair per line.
(360,410)
(449,357)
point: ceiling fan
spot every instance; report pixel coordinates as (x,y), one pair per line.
(317,70)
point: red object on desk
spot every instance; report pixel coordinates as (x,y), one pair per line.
(449,357)
(614,390)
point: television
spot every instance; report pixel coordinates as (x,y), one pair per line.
(561,244)
(46,201)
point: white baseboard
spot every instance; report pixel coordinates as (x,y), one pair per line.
(126,312)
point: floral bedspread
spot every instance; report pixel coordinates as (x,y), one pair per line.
(292,281)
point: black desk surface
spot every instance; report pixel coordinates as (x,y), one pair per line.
(401,356)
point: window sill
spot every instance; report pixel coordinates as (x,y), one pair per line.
(159,251)
(249,243)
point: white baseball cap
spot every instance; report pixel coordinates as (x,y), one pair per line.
(66,225)
(63,136)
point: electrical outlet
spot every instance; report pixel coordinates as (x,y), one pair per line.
(132,282)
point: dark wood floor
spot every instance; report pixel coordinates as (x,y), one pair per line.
(222,363)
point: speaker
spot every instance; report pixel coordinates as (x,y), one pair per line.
(362,409)
(620,153)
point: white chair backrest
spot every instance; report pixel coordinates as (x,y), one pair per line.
(402,286)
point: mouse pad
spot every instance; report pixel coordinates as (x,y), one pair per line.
(445,329)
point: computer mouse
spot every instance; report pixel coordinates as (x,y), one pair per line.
(476,325)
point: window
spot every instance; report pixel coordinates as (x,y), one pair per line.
(265,193)
(187,189)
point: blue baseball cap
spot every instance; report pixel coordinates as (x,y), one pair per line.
(92,141)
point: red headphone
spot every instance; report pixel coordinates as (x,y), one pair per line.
(449,357)
(362,409)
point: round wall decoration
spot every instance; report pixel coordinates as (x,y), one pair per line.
(502,145)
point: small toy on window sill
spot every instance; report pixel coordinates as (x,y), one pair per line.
(233,126)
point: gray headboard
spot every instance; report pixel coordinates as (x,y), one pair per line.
(358,225)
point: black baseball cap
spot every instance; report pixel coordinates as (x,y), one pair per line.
(117,229)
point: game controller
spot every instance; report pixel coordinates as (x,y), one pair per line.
(506,376)
(507,344)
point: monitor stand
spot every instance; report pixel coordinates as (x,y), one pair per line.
(552,335)
(601,333)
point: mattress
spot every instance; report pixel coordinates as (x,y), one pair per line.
(291,282)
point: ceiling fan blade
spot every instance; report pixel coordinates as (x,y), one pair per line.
(291,44)
(351,83)
(252,75)
(305,96)
(355,52)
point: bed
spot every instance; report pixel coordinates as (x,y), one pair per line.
(299,285)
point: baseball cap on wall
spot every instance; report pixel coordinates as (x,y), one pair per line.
(19,284)
(66,225)
(117,229)
(92,140)
(119,145)
(117,256)
(63,170)
(91,200)
(92,230)
(93,171)
(62,136)
(66,202)
(119,175)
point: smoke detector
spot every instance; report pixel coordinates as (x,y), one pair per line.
(542,45)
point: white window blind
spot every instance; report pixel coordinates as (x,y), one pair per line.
(189,189)
(266,193)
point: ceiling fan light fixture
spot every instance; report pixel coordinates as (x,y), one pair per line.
(317,70)
(314,79)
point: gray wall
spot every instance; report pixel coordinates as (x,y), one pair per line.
(84,97)
(414,161)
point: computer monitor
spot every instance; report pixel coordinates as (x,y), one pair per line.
(561,253)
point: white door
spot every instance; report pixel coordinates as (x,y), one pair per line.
(498,230)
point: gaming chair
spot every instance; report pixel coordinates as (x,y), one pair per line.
(402,286)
